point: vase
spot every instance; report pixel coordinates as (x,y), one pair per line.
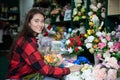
(96,61)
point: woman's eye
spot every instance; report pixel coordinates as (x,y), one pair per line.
(36,21)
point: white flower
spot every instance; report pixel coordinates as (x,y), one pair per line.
(73,76)
(90,13)
(89,45)
(99,5)
(70,50)
(93,7)
(103,14)
(104,40)
(67,42)
(98,33)
(75,11)
(79,47)
(86,75)
(106,54)
(113,33)
(91,38)
(95,18)
(110,44)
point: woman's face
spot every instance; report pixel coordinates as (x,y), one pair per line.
(37,23)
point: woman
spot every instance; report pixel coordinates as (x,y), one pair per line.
(26,59)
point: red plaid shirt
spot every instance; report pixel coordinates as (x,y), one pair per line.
(27,60)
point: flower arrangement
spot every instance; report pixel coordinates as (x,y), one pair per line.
(98,41)
(107,70)
(101,71)
(53,59)
(79,10)
(103,45)
(96,15)
(74,44)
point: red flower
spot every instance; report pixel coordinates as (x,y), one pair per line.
(71,39)
(77,38)
(79,43)
(76,49)
(49,27)
(71,44)
(46,34)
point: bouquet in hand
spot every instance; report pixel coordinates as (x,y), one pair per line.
(53,59)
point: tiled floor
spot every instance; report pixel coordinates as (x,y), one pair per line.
(3,66)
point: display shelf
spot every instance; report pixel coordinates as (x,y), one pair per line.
(112,11)
(10,13)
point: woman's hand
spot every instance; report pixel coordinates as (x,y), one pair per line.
(75,68)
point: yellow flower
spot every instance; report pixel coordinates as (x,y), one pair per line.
(91,17)
(96,40)
(49,58)
(86,35)
(91,23)
(91,50)
(95,46)
(89,31)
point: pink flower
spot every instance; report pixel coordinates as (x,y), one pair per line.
(112,74)
(117,46)
(101,45)
(99,73)
(101,37)
(102,74)
(99,56)
(108,38)
(111,62)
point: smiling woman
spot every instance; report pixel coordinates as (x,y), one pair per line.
(25,57)
(37,23)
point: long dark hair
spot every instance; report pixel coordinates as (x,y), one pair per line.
(26,30)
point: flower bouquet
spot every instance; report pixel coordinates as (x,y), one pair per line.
(102,44)
(98,41)
(74,44)
(107,70)
(53,59)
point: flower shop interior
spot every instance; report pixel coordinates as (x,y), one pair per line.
(84,32)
